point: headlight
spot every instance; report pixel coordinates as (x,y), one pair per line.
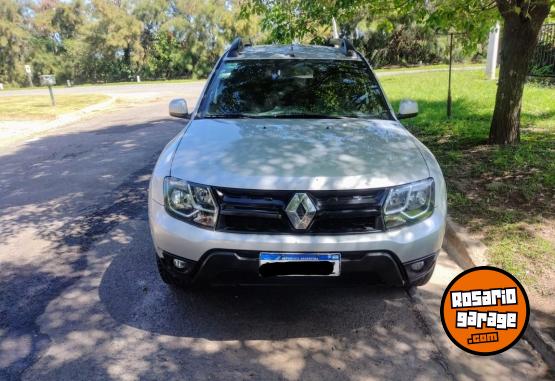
(409,203)
(190,202)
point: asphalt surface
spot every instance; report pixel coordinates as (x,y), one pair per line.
(160,88)
(80,297)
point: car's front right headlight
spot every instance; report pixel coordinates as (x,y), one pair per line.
(190,202)
(410,203)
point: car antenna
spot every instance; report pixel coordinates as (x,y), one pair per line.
(291,54)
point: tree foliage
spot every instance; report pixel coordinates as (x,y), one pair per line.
(473,18)
(113,40)
(291,20)
(14,39)
(402,41)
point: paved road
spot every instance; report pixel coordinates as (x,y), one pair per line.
(80,297)
(115,90)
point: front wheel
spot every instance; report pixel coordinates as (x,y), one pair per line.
(182,281)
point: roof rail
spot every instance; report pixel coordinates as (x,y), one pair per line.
(333,42)
(235,47)
(345,45)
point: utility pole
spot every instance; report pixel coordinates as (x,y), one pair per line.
(449,100)
(493,49)
(451,34)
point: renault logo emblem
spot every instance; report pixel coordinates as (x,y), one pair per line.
(301,211)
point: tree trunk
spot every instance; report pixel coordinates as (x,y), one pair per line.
(127,55)
(520,36)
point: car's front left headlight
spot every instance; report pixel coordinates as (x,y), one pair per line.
(409,203)
(190,202)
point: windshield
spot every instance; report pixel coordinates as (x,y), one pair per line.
(294,88)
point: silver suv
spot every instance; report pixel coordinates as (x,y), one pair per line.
(294,167)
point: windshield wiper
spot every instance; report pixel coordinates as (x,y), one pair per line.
(305,116)
(227,116)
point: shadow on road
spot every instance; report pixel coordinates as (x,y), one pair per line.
(51,191)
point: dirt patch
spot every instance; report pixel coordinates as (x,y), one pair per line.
(510,207)
(505,197)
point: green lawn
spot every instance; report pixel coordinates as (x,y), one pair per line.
(505,195)
(20,107)
(431,67)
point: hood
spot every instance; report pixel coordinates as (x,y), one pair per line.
(298,154)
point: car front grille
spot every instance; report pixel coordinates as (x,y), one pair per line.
(338,212)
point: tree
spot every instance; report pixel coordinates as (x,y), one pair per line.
(522,20)
(153,14)
(522,23)
(14,38)
(194,36)
(112,42)
(54,25)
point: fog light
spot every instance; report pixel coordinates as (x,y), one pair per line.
(179,264)
(417,266)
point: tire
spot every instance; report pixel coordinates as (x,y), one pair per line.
(184,282)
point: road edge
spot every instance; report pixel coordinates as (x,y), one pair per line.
(75,116)
(61,121)
(468,252)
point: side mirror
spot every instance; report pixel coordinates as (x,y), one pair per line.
(407,109)
(178,108)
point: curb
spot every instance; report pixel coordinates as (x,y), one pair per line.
(465,251)
(468,252)
(77,115)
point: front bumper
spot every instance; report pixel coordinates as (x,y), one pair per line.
(219,266)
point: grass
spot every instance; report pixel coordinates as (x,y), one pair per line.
(504,195)
(39,107)
(429,67)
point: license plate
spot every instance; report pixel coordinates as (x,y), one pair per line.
(299,264)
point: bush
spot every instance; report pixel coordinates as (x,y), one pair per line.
(405,43)
(542,63)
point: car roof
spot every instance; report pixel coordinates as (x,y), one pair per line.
(292,51)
